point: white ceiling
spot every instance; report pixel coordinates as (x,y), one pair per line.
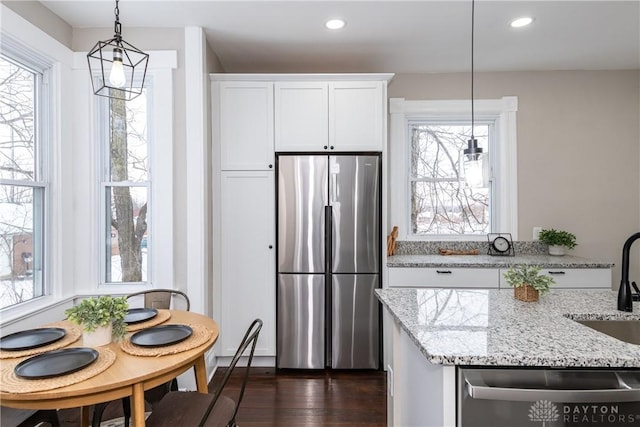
(388,36)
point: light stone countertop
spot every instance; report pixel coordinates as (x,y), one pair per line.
(491,328)
(488,261)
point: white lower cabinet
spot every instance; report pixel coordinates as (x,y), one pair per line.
(443,277)
(573,278)
(446,277)
(248,289)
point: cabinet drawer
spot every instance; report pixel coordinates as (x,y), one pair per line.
(443,277)
(574,278)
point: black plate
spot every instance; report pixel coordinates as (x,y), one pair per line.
(56,363)
(137,315)
(33,338)
(160,336)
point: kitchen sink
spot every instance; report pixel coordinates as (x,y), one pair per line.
(624,330)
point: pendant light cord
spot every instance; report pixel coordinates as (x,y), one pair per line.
(472,98)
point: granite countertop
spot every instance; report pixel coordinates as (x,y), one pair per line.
(488,261)
(491,327)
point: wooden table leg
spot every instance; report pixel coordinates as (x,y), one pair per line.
(137,405)
(200,369)
(84,416)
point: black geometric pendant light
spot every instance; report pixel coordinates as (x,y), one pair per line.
(117,68)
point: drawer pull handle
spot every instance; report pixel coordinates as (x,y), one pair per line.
(556,272)
(443,271)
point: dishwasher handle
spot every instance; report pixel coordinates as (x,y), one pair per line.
(478,389)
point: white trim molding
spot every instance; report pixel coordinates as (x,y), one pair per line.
(87,163)
(198,270)
(502,110)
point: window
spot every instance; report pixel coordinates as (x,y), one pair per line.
(23,180)
(442,200)
(132,204)
(431,196)
(126,188)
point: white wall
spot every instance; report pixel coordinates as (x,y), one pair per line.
(43,18)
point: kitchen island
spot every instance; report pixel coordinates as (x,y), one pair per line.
(435,330)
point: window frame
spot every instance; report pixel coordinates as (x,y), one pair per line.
(502,146)
(42,69)
(454,120)
(160,264)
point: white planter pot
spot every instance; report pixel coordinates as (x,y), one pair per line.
(556,250)
(101,336)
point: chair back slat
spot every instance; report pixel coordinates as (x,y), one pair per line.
(161,298)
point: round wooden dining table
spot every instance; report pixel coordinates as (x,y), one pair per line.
(129,375)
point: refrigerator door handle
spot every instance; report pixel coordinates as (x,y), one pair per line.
(328,232)
(328,237)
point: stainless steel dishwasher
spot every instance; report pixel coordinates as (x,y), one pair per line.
(548,398)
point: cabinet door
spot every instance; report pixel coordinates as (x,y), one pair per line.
(356,119)
(245,125)
(248,287)
(301,116)
(444,277)
(573,278)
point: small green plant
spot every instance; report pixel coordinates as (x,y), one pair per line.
(94,312)
(521,275)
(558,238)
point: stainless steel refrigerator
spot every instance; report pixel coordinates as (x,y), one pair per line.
(329,235)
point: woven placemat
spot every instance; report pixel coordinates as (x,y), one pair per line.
(11,383)
(73,333)
(161,317)
(199,336)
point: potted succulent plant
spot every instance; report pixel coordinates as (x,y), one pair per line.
(558,240)
(101,319)
(528,284)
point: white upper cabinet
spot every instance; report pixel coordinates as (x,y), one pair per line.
(356,116)
(245,125)
(330,116)
(302,116)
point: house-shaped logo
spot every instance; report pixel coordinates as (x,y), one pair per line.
(543,411)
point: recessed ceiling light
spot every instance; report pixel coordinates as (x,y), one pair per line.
(335,24)
(521,22)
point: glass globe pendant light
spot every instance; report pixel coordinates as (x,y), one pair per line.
(117,68)
(473,155)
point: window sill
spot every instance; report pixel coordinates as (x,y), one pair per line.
(21,312)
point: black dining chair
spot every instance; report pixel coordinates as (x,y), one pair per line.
(162,299)
(182,408)
(11,417)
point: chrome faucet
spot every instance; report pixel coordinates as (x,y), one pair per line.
(625,297)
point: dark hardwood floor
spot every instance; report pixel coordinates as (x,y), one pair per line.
(297,398)
(311,398)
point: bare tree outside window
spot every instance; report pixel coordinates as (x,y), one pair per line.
(22,191)
(441,201)
(127,191)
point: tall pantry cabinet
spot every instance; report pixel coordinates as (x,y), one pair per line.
(253,117)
